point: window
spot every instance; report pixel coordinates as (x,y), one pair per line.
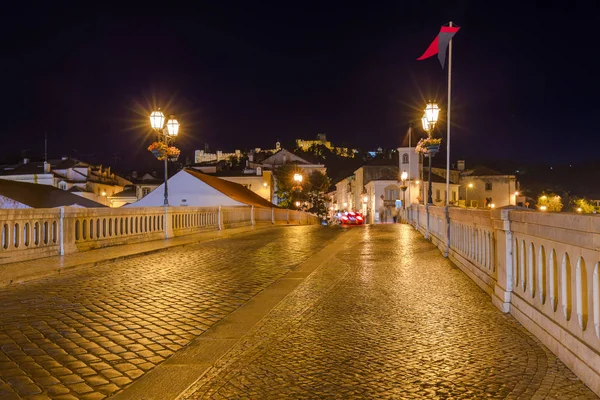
(437,194)
(405,158)
(453,196)
(62,185)
(488,186)
(145,191)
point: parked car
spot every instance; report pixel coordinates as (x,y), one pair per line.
(351,218)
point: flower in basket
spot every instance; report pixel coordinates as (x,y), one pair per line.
(159,149)
(425,143)
(173,151)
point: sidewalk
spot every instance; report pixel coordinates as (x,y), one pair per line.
(43,267)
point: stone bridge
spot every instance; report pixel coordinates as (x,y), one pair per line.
(282,312)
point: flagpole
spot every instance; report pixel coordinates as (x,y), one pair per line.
(409,164)
(448,127)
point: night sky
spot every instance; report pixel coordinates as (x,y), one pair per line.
(242,76)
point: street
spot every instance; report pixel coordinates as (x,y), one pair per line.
(384,316)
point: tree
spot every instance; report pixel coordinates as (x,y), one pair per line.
(551,202)
(583,206)
(288,191)
(316,188)
(311,190)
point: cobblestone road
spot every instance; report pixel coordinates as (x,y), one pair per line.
(90,333)
(389,317)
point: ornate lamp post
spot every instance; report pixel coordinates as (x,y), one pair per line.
(403,178)
(166,134)
(429,120)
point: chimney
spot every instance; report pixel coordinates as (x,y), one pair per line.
(251,156)
(46,167)
(461,165)
(25,160)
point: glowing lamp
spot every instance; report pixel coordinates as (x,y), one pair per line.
(493,205)
(172,126)
(517,193)
(366,198)
(298,177)
(543,208)
(297,204)
(579,209)
(345,205)
(425,123)
(470,186)
(418,182)
(432,111)
(404,176)
(157,120)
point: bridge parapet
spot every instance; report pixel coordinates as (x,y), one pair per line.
(27,234)
(543,268)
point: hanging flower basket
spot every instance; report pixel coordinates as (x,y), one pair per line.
(428,146)
(162,151)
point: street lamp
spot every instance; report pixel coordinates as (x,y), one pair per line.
(469,186)
(430,118)
(403,178)
(166,134)
(298,178)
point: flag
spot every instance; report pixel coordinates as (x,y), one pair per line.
(440,44)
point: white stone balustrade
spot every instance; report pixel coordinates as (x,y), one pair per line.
(36,233)
(542,268)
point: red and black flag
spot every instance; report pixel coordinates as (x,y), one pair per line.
(440,44)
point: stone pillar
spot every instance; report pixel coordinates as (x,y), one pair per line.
(66,231)
(168,225)
(272,215)
(447,238)
(501,296)
(220,218)
(252,215)
(427,212)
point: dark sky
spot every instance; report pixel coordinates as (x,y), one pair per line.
(239,76)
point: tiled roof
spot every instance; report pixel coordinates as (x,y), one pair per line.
(127,192)
(42,196)
(231,189)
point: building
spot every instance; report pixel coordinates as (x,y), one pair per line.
(482,187)
(321,140)
(438,190)
(139,188)
(94,182)
(196,189)
(15,194)
(201,156)
(363,190)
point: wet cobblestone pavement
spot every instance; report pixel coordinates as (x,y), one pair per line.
(90,333)
(389,317)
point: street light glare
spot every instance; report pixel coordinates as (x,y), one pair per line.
(425,123)
(470,186)
(172,126)
(432,112)
(404,175)
(298,177)
(157,120)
